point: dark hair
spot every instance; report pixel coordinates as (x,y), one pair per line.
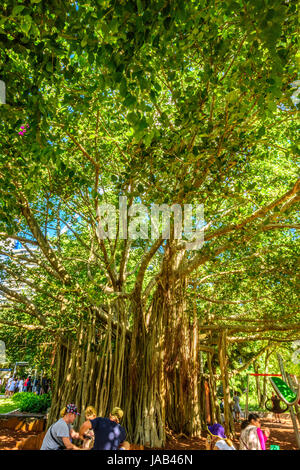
(246,422)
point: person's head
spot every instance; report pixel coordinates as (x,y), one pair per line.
(254,419)
(90,413)
(216,431)
(116,414)
(69,413)
(235,393)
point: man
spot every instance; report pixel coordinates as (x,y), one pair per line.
(109,434)
(58,436)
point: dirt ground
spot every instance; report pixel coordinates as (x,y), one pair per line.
(281,434)
(9,438)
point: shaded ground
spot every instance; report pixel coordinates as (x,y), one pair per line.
(9,438)
(282,434)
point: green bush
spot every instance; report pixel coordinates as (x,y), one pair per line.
(31,402)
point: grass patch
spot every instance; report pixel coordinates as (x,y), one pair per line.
(32,403)
(7,405)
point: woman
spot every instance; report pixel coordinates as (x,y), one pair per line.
(252,437)
(276,408)
(89,436)
(12,387)
(216,439)
(7,386)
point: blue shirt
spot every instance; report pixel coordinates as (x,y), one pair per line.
(108,434)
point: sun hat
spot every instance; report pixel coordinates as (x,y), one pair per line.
(71,408)
(216,430)
(116,411)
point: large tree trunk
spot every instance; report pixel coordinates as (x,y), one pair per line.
(154,377)
(145,394)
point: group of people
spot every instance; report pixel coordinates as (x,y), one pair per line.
(95,433)
(20,384)
(100,433)
(237,412)
(252,437)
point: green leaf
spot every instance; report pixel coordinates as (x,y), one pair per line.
(129,100)
(17,9)
(26,23)
(84,41)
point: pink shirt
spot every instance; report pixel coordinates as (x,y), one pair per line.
(262,439)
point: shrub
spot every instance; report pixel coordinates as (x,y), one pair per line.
(31,402)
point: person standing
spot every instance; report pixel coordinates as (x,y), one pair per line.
(276,407)
(17,385)
(236,406)
(59,435)
(109,434)
(20,385)
(38,387)
(12,386)
(25,384)
(29,384)
(10,379)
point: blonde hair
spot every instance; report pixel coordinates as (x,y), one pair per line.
(89,412)
(63,412)
(117,412)
(229,442)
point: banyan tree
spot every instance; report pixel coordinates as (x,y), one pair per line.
(170,105)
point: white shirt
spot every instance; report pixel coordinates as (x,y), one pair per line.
(222,445)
